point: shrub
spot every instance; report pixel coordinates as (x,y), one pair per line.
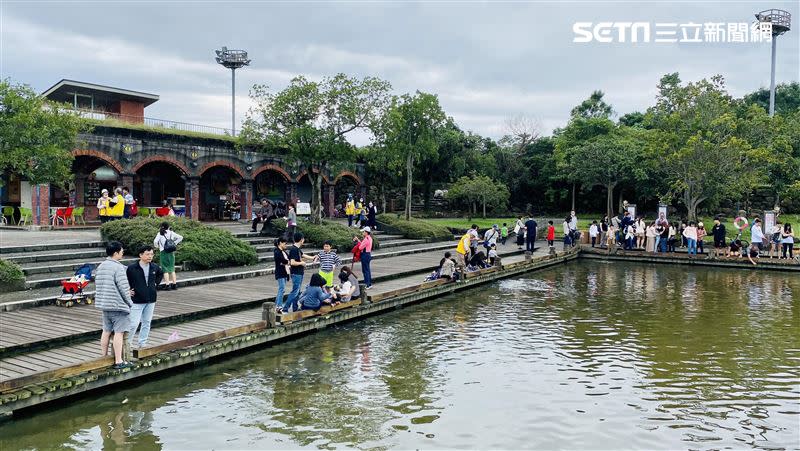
(203,246)
(11,276)
(414,228)
(340,236)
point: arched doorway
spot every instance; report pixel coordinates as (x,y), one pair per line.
(92,175)
(220,194)
(345,185)
(158,181)
(270,184)
(303,193)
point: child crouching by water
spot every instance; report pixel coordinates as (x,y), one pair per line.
(315,296)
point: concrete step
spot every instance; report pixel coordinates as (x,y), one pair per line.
(16,250)
(50,256)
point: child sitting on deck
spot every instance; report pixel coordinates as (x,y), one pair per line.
(315,296)
(345,288)
(493,255)
(447,267)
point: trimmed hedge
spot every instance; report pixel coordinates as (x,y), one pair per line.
(11,276)
(203,246)
(414,228)
(340,236)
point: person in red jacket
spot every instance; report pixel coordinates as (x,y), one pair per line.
(551,233)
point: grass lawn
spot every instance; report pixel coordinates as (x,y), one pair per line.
(464,223)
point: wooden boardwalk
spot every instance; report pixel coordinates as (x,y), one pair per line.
(45,338)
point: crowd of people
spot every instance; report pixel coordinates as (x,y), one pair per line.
(663,236)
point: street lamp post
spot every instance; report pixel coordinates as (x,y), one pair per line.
(781,23)
(232,59)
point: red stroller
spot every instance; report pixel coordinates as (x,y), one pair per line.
(72,292)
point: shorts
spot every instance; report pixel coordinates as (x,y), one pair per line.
(720,244)
(760,246)
(328,276)
(116,321)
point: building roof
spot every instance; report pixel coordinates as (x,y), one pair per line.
(64,91)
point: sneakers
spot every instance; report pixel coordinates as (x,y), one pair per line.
(173,287)
(122,365)
(368,287)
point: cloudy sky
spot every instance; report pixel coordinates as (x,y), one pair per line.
(487,61)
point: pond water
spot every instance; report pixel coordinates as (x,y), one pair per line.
(587,355)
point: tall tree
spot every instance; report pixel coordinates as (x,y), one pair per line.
(36,136)
(593,107)
(312,119)
(521,130)
(787,98)
(479,189)
(410,130)
(698,137)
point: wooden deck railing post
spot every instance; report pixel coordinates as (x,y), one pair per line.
(127,354)
(268,314)
(362,289)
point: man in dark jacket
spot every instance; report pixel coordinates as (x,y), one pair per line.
(530,229)
(143,277)
(264,214)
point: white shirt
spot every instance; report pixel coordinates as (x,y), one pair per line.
(573,223)
(593,230)
(756,233)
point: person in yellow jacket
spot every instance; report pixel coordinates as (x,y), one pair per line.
(350,210)
(117,205)
(103,208)
(464,244)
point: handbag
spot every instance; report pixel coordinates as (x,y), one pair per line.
(134,209)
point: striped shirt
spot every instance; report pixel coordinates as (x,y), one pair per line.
(328,261)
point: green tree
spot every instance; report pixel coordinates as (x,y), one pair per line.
(698,137)
(36,136)
(787,98)
(593,107)
(312,119)
(479,189)
(410,132)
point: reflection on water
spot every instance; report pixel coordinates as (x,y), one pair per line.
(586,355)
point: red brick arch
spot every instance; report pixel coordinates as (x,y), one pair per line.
(352,175)
(99,155)
(227,164)
(162,159)
(272,167)
(302,174)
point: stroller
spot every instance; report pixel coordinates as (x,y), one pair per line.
(72,291)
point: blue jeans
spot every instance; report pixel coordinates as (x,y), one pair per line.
(662,243)
(366,258)
(291,301)
(281,289)
(692,246)
(143,313)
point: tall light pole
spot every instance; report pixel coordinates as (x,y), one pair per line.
(781,22)
(232,59)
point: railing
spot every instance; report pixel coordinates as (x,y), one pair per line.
(153,122)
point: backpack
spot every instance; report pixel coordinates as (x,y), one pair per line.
(169,245)
(134,209)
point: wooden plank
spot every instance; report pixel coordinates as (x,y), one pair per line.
(55,374)
(294,316)
(178,344)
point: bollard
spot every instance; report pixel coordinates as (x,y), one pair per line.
(528,256)
(498,261)
(362,289)
(552,250)
(268,314)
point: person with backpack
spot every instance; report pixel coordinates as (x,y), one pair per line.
(490,237)
(167,243)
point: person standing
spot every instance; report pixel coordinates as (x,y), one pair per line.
(372,213)
(362,213)
(490,237)
(297,269)
(117,204)
(519,230)
(594,231)
(551,234)
(701,234)
(787,240)
(281,271)
(775,239)
(641,226)
(603,230)
(530,234)
(144,276)
(365,245)
(504,234)
(103,207)
(127,197)
(573,220)
(291,223)
(757,235)
(718,232)
(567,232)
(651,238)
(461,252)
(350,210)
(113,298)
(690,233)
(167,241)
(328,261)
